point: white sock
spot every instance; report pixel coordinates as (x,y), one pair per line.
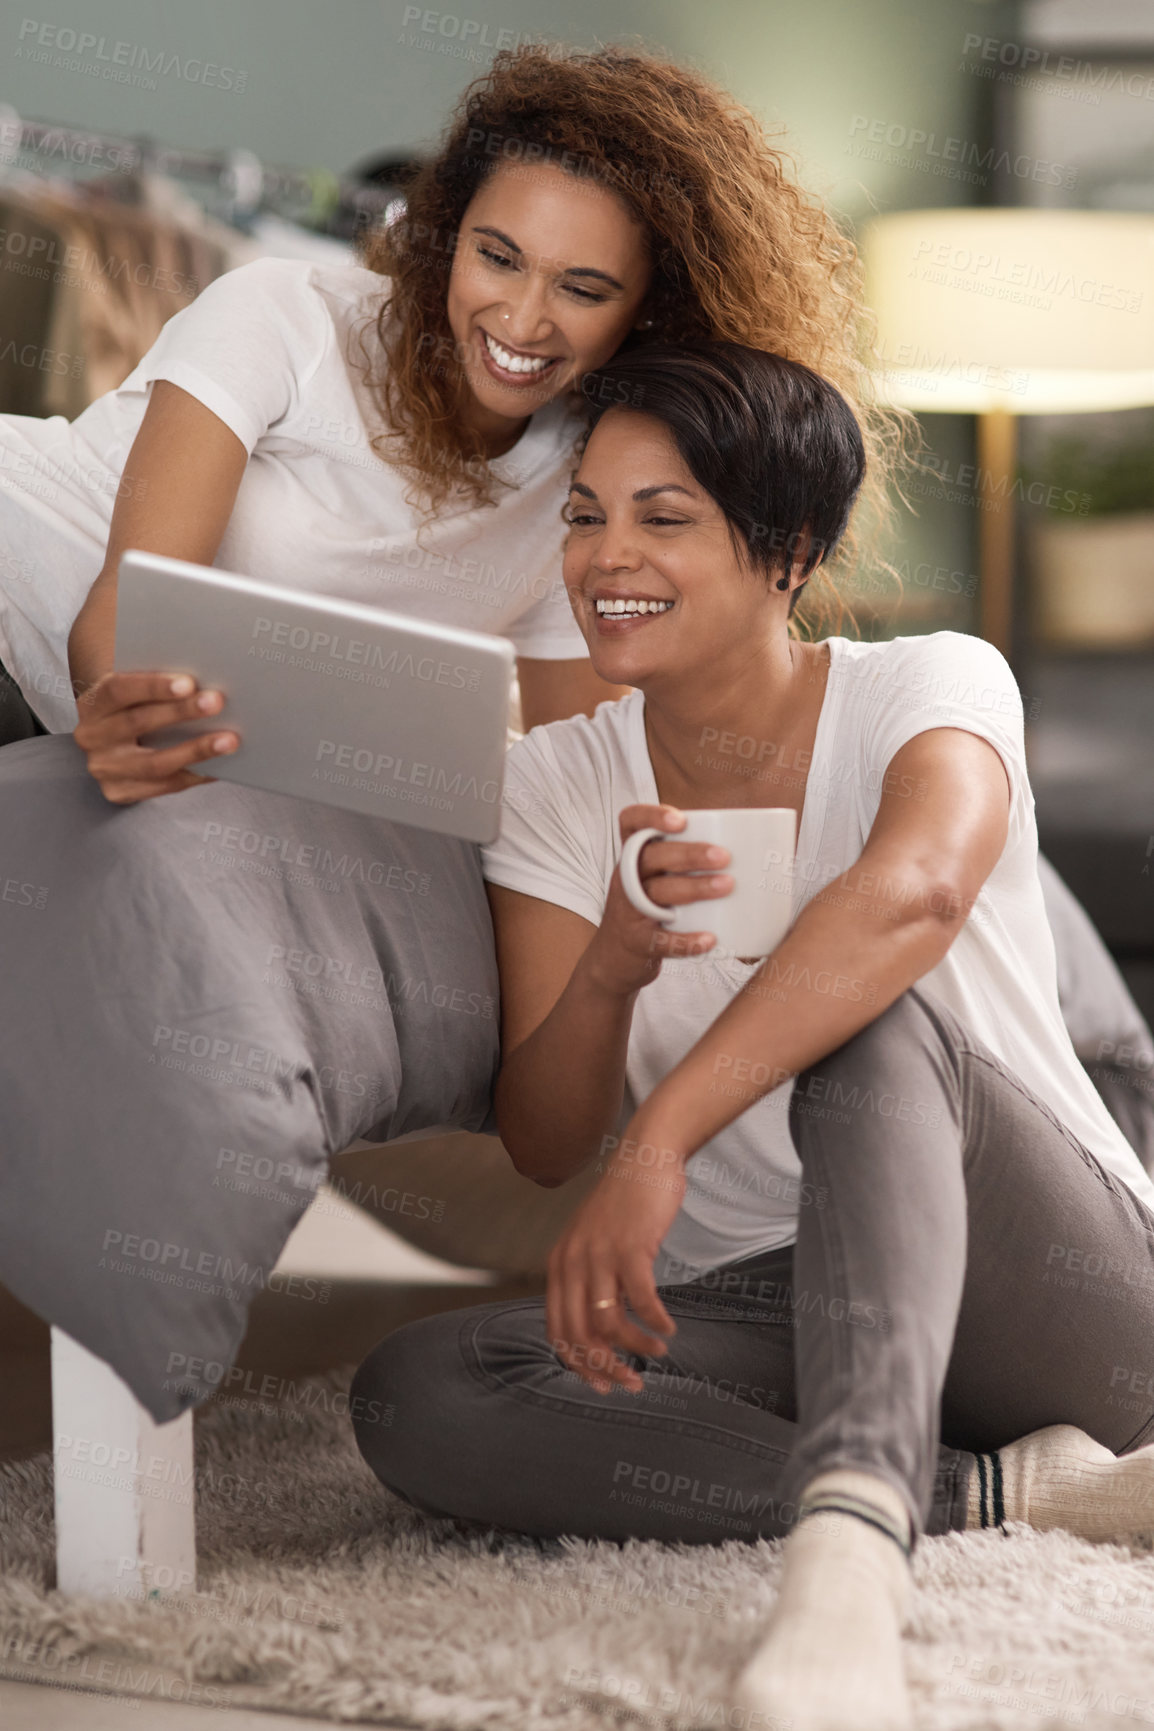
(832,1657)
(1060,1477)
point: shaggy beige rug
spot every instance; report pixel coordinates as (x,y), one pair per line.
(320,1593)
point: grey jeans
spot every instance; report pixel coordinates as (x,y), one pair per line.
(964,1273)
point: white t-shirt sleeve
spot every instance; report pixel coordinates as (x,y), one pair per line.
(243,347)
(547,631)
(949,679)
(545,847)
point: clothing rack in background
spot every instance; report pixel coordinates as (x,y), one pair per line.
(243,185)
(107,236)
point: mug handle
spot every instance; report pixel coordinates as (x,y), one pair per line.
(631,877)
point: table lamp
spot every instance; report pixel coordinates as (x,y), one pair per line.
(1008,312)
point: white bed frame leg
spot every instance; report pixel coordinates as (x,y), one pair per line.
(125,1490)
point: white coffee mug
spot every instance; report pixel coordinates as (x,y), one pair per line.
(758,911)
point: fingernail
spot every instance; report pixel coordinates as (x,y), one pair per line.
(182,685)
(719,883)
(208,700)
(716,855)
(222,742)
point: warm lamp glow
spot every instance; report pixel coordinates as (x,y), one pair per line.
(1030,312)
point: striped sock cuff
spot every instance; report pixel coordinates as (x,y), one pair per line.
(862,1510)
(991,1497)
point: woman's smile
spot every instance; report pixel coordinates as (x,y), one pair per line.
(511,366)
(618,614)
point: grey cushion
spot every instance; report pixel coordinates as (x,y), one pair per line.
(1108,1030)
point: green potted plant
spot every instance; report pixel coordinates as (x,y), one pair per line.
(1090,536)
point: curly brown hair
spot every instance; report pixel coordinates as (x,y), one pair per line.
(739,251)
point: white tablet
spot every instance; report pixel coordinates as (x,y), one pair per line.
(332,700)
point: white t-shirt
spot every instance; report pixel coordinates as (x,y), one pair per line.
(567,783)
(267,348)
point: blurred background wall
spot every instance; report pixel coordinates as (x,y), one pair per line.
(327,85)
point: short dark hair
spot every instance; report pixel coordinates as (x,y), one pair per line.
(770,440)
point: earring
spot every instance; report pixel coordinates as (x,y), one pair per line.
(783,582)
(645,325)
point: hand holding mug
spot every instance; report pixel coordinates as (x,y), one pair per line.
(750,917)
(632,942)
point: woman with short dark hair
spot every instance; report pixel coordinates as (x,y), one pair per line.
(823,1272)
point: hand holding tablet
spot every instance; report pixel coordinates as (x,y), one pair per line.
(332,700)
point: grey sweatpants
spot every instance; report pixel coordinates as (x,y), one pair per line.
(959,1279)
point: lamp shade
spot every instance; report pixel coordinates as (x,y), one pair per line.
(1028,311)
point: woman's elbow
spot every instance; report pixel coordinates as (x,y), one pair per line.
(908,893)
(526,1164)
(947,906)
(548,1180)
(932,917)
(521,1149)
